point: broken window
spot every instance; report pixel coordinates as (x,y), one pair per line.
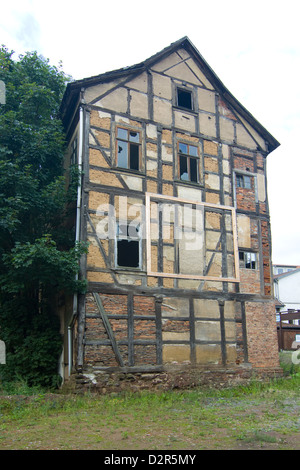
(188,163)
(128,149)
(128,245)
(243,181)
(184,98)
(248,260)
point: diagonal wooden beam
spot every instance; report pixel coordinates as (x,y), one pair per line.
(102,251)
(108,329)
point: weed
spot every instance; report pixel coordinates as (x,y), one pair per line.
(258,436)
(198,418)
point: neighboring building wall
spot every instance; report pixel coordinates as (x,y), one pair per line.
(283,268)
(287,289)
(208,305)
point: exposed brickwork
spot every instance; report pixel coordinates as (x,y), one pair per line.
(243,163)
(145,355)
(260,325)
(255,234)
(144,329)
(245,199)
(260,161)
(263,208)
(240,352)
(225,111)
(95,329)
(175,326)
(114,304)
(120,329)
(98,355)
(262,335)
(265,235)
(143,305)
(250,281)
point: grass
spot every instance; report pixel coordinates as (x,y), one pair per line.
(260,415)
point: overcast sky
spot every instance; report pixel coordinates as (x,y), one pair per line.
(253,46)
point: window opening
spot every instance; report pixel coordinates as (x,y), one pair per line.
(184,98)
(128,245)
(248,260)
(128,149)
(188,163)
(243,181)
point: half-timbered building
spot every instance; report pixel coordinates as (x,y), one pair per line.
(173,204)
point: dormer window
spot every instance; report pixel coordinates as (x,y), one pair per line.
(184,98)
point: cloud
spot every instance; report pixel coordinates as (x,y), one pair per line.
(29,32)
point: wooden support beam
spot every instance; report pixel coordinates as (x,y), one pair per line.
(108,329)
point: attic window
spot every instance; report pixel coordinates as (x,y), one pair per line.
(184,98)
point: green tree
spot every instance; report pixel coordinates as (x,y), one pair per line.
(38,256)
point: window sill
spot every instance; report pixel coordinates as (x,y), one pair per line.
(190,183)
(249,269)
(128,270)
(185,110)
(129,171)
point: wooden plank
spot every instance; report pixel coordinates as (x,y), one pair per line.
(193,277)
(148,232)
(235,245)
(108,329)
(158,197)
(102,251)
(188,201)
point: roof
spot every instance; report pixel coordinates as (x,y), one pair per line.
(72,93)
(288,273)
(293,266)
(278,303)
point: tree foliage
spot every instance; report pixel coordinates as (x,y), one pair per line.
(38,256)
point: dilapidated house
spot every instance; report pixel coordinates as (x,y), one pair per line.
(173,203)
